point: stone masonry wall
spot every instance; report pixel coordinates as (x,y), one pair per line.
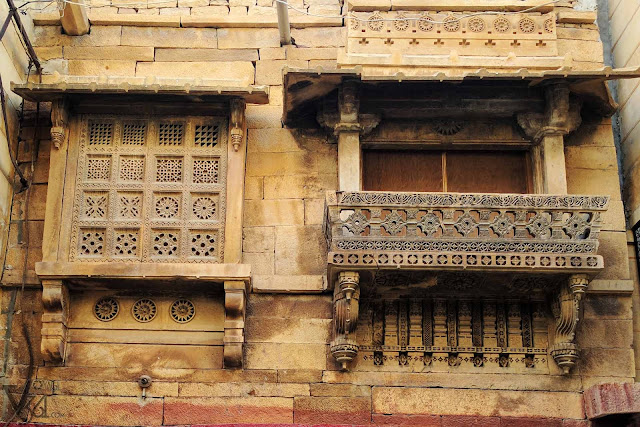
(289,374)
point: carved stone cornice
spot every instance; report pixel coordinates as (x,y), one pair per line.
(561,115)
(59,121)
(345,115)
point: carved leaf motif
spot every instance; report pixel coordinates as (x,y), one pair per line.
(466,224)
(393,223)
(576,226)
(502,225)
(430,224)
(539,226)
(356,223)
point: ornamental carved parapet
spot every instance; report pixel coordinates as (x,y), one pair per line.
(346,297)
(343,114)
(566,310)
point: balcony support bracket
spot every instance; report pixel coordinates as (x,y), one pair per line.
(346,297)
(566,310)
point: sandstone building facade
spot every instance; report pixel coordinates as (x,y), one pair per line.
(410,215)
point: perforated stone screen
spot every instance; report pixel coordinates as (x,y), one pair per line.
(149,189)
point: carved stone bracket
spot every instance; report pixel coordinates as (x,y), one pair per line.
(59,122)
(234,316)
(346,115)
(561,116)
(237,122)
(55,300)
(346,298)
(566,310)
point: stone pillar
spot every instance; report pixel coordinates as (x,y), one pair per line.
(349,160)
(547,130)
(234,315)
(346,296)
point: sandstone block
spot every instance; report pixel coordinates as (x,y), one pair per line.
(122,411)
(608,399)
(217,13)
(258,239)
(228,410)
(102,67)
(114,388)
(299,376)
(261,263)
(320,37)
(298,186)
(233,73)
(531,422)
(589,181)
(150,18)
(300,250)
(605,333)
(253,186)
(238,11)
(327,64)
(305,54)
(273,212)
(109,52)
(264,116)
(607,307)
(248,38)
(613,249)
(288,284)
(613,219)
(289,163)
(313,211)
(410,401)
(243,390)
(276,95)
(193,3)
(262,11)
(340,390)
(273,53)
(272,140)
(331,410)
(205,55)
(589,157)
(99,36)
(302,306)
(408,420)
(607,362)
(471,421)
(597,132)
(284,330)
(581,50)
(169,37)
(178,11)
(269,72)
(50,52)
(58,65)
(282,356)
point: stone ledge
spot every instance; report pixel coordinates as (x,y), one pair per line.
(576,17)
(612,399)
(601,286)
(450,5)
(257,21)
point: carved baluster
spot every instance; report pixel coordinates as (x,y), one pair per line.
(540,326)
(520,224)
(365,328)
(464,329)
(514,325)
(483,226)
(346,296)
(374,228)
(566,310)
(490,332)
(55,301)
(403,331)
(452,333)
(501,326)
(234,317)
(427,331)
(440,343)
(527,327)
(378,332)
(556,225)
(476,324)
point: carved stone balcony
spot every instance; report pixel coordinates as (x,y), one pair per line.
(449,231)
(512,248)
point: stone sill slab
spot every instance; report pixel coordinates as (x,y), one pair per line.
(211,21)
(135,270)
(612,399)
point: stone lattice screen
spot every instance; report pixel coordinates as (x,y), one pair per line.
(149,189)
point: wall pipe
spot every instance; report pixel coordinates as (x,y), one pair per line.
(283,23)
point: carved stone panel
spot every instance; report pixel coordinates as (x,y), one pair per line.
(150,190)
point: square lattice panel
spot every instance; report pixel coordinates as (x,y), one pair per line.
(150,190)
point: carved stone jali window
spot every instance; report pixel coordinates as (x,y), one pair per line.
(150,190)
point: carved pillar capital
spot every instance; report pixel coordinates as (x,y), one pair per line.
(346,296)
(566,310)
(55,302)
(59,122)
(234,317)
(236,128)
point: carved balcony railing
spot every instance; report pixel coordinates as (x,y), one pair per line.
(527,235)
(513,232)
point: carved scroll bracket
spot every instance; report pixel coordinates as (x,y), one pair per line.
(237,123)
(561,115)
(346,298)
(55,301)
(59,121)
(234,316)
(566,310)
(345,115)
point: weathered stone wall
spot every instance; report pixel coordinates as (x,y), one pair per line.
(289,374)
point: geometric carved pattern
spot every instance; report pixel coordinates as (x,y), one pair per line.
(168,170)
(131,168)
(134,133)
(134,174)
(206,135)
(205,171)
(170,134)
(182,311)
(144,310)
(106,309)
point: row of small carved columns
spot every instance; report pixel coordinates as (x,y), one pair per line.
(547,130)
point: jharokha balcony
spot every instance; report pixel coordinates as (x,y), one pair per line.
(474,280)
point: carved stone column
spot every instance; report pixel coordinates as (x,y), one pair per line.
(55,301)
(346,297)
(561,116)
(566,310)
(234,314)
(347,125)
